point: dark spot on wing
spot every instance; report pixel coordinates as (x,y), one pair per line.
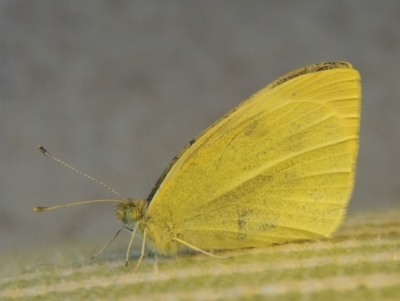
(270,224)
(241,222)
(267,226)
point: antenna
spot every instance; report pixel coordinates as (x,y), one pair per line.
(41,209)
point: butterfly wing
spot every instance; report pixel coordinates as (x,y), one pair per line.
(278,167)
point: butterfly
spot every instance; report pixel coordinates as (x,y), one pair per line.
(279,167)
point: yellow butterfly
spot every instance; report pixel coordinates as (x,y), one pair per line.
(279,167)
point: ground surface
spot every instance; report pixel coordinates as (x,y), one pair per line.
(360,262)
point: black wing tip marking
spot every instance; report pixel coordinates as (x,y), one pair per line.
(311,69)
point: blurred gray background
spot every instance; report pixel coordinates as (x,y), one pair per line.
(117,88)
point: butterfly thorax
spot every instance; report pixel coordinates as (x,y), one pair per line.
(130,210)
(160,233)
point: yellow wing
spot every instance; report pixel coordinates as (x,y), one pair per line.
(278,167)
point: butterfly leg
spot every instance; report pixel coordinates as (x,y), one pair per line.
(143,249)
(130,243)
(112,239)
(197,249)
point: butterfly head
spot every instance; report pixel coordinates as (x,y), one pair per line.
(130,210)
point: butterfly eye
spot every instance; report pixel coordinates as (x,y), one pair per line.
(132,214)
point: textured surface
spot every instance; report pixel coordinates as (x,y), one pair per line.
(361,262)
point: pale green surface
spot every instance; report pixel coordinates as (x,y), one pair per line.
(361,262)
